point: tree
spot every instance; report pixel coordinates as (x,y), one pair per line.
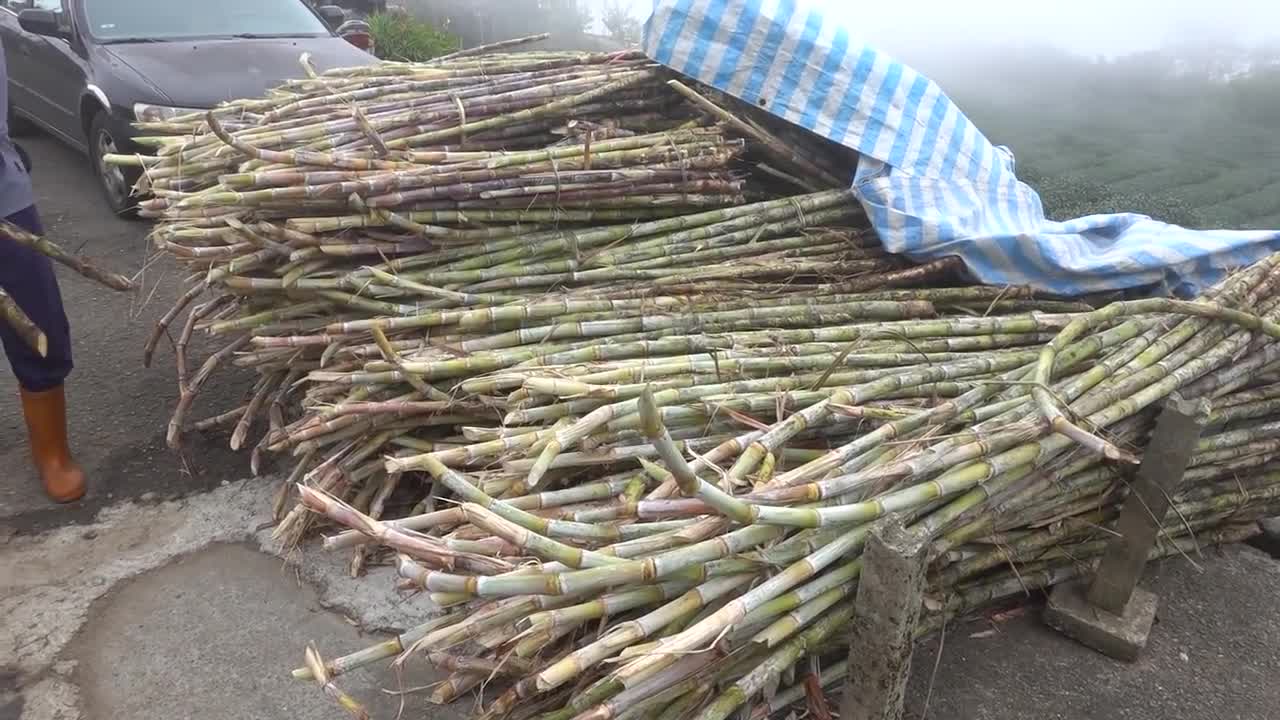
(621,24)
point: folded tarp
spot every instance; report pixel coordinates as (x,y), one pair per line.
(931,183)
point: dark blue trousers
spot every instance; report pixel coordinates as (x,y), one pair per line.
(28,277)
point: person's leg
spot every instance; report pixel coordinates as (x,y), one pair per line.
(29,279)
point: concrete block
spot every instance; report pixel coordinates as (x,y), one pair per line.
(882,633)
(1163,464)
(1122,637)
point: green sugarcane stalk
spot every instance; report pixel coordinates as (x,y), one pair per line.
(575,664)
(778,662)
(625,80)
(1044,369)
(79,264)
(770,143)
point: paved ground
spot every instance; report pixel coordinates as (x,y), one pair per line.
(207,590)
(1214,654)
(118,408)
(161,594)
(182,609)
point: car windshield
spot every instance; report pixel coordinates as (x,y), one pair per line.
(140,20)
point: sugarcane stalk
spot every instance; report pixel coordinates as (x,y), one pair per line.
(22,325)
(770,143)
(81,265)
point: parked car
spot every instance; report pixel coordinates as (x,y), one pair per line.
(84,70)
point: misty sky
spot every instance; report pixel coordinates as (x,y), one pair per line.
(1090,27)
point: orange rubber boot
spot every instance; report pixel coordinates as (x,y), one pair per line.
(46,414)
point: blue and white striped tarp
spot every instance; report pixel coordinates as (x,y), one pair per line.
(931,183)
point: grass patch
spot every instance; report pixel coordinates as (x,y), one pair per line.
(397,36)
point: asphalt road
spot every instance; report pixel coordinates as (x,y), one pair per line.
(118,409)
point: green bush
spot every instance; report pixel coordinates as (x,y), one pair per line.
(397,36)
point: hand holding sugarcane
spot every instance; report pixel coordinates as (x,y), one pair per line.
(80,264)
(14,315)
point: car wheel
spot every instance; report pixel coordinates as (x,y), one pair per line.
(116,182)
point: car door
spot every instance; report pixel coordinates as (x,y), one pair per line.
(16,49)
(52,72)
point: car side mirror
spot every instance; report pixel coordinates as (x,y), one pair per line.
(332,14)
(41,22)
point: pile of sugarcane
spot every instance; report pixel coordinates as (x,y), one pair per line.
(633,378)
(696,583)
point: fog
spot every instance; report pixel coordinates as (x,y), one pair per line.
(1087,27)
(1108,28)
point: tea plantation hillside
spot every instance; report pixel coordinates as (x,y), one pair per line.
(1189,136)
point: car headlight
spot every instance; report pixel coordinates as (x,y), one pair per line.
(145,112)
